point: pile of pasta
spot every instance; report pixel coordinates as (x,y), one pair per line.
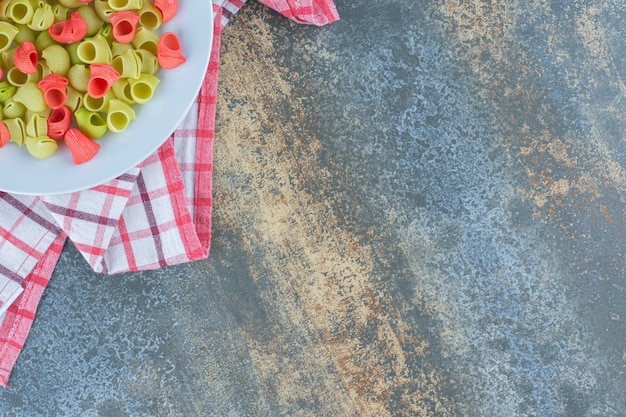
(72,70)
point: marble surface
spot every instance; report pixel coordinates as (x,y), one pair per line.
(418,211)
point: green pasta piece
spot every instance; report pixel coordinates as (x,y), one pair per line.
(95,50)
(120,5)
(103,9)
(142,89)
(119,48)
(13,110)
(97,104)
(149,61)
(119,115)
(30,96)
(3,10)
(43,70)
(74,100)
(19,11)
(149,16)
(22,105)
(71,51)
(37,125)
(7,57)
(57,59)
(18,78)
(8,32)
(71,4)
(6,91)
(146,39)
(25,34)
(78,77)
(121,90)
(41,146)
(91,123)
(28,114)
(60,12)
(42,19)
(107,32)
(128,65)
(94,23)
(44,40)
(16,130)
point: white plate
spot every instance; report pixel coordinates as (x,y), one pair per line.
(21,173)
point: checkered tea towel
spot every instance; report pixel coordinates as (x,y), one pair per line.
(156,214)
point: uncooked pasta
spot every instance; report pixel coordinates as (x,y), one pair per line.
(73,70)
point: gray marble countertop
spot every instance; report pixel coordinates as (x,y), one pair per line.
(418,211)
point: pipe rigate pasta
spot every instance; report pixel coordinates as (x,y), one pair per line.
(121,89)
(119,115)
(128,65)
(91,123)
(149,16)
(17,130)
(69,31)
(93,21)
(82,63)
(6,91)
(124,25)
(95,50)
(37,125)
(7,35)
(78,76)
(24,33)
(120,5)
(30,96)
(82,147)
(103,9)
(17,78)
(57,59)
(145,39)
(19,11)
(149,61)
(43,18)
(169,51)
(168,8)
(101,78)
(41,146)
(60,12)
(59,122)
(142,89)
(100,104)
(12,109)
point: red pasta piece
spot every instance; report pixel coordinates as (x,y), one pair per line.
(82,147)
(169,51)
(5,136)
(69,31)
(168,8)
(54,90)
(59,122)
(26,57)
(101,78)
(124,25)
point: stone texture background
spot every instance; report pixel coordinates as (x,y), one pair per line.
(419,211)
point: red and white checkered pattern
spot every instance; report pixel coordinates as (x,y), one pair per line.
(305,11)
(156,214)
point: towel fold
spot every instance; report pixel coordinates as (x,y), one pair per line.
(156,214)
